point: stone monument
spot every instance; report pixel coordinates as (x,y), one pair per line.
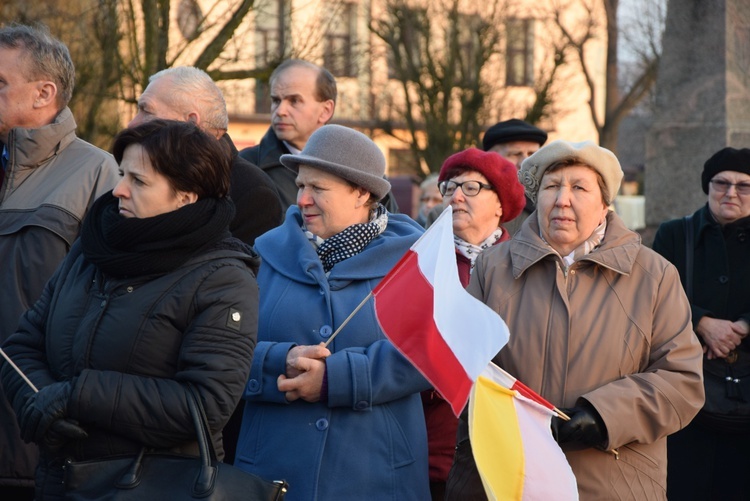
(702,101)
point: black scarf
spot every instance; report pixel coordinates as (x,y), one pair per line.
(132,247)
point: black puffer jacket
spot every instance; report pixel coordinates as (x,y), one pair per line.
(129,347)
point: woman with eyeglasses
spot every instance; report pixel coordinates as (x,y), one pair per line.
(484,192)
(708,460)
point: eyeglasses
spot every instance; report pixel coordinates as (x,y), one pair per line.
(723,186)
(470,188)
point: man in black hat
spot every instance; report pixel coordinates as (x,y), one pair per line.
(515,140)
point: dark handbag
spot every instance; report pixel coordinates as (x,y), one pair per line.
(163,476)
(725,380)
(727,384)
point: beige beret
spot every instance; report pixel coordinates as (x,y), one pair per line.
(587,152)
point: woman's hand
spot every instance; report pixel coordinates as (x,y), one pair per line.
(305,367)
(307,384)
(293,366)
(720,336)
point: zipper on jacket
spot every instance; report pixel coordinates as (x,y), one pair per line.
(615,452)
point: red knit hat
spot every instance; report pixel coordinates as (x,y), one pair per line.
(501,174)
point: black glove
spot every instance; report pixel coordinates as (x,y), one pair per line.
(585,427)
(42,409)
(61,432)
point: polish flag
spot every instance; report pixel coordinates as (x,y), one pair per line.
(447,334)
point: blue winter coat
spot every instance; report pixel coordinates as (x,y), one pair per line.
(368,442)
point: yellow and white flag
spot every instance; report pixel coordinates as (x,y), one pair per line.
(516,455)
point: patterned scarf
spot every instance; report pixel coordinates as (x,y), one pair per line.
(471,251)
(586,247)
(350,241)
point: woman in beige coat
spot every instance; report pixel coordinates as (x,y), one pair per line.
(600,326)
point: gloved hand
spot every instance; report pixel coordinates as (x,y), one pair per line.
(61,432)
(586,426)
(42,409)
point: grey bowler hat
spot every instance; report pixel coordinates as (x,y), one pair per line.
(345,153)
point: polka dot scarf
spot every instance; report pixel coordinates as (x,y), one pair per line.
(350,241)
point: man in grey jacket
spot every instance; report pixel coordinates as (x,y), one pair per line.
(49,179)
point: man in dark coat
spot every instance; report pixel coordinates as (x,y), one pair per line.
(303,99)
(188,94)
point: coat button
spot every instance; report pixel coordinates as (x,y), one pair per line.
(361,405)
(326,331)
(253,385)
(321,424)
(723,279)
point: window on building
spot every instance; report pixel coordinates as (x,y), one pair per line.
(468,27)
(189,19)
(338,42)
(270,34)
(519,68)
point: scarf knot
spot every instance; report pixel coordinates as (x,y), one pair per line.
(349,241)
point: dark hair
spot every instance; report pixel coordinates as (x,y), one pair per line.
(325,84)
(47,57)
(188,157)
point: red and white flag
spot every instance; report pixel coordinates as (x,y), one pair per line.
(449,335)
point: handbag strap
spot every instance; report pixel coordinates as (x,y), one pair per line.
(689,251)
(204,482)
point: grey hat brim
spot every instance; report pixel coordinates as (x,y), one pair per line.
(374,184)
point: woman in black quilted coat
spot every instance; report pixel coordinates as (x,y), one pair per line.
(154,295)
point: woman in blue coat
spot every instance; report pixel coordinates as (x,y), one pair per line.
(346,421)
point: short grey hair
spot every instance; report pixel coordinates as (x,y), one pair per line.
(193,87)
(48,58)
